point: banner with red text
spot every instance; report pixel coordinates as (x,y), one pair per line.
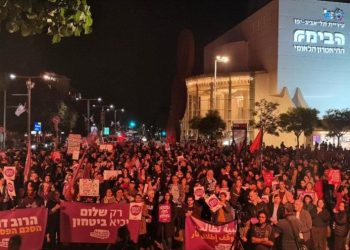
(30,223)
(95,223)
(205,236)
(334,176)
(164,213)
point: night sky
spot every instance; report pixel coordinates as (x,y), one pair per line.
(129,59)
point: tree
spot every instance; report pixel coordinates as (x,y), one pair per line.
(299,120)
(266,117)
(211,124)
(337,122)
(57,18)
(68,116)
(195,122)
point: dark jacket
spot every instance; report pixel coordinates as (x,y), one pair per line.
(306,224)
(280,211)
(286,231)
(229,213)
(321,219)
(341,224)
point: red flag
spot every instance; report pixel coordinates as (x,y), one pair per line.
(256,145)
(27,164)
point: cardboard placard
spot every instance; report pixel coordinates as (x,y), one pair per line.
(89,187)
(164,213)
(110,174)
(106,147)
(9,173)
(135,211)
(213,203)
(73,141)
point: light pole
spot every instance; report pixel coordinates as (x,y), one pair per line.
(79,98)
(115,117)
(220,59)
(103,115)
(30,85)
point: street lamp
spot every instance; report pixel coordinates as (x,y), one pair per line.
(115,110)
(220,59)
(102,115)
(30,85)
(79,98)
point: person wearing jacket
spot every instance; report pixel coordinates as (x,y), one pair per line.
(286,196)
(225,213)
(288,228)
(275,209)
(320,221)
(305,220)
(341,227)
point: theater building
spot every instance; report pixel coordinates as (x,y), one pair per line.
(293,52)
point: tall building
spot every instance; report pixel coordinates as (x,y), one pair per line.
(296,47)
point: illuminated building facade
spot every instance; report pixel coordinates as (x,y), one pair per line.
(288,46)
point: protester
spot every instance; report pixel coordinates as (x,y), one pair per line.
(305,221)
(262,234)
(320,225)
(124,242)
(15,242)
(289,228)
(225,213)
(156,174)
(341,226)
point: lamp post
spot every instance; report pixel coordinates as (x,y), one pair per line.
(115,117)
(30,85)
(102,115)
(220,59)
(79,98)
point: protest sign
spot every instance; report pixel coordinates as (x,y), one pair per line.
(213,202)
(30,223)
(106,147)
(135,211)
(202,235)
(95,223)
(9,173)
(164,213)
(75,155)
(73,142)
(89,187)
(334,177)
(11,188)
(199,192)
(110,174)
(268,178)
(56,155)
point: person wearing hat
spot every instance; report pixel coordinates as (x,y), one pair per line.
(289,228)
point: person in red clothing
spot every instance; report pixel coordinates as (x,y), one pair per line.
(319,187)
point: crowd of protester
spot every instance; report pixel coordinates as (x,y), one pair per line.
(299,203)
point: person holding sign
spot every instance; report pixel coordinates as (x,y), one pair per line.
(224,214)
(166,217)
(4,196)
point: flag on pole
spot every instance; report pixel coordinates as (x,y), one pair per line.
(256,144)
(20,110)
(27,164)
